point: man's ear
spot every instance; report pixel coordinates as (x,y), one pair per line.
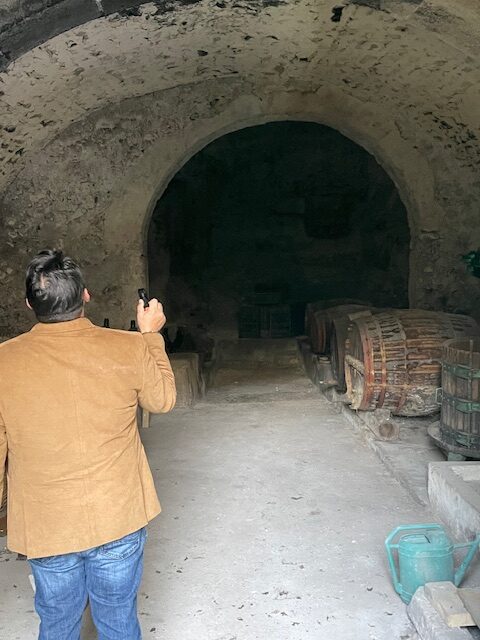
(28,304)
(86,295)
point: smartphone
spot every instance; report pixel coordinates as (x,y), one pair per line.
(142,294)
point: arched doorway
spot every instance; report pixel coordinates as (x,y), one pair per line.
(289,209)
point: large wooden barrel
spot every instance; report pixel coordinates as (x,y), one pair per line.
(393,359)
(312,307)
(320,329)
(339,333)
(460,412)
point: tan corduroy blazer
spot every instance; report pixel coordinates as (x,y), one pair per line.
(78,476)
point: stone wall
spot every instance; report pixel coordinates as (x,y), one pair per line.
(98,119)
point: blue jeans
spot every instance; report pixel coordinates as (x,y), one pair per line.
(108,576)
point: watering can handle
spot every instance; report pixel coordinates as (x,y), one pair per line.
(460,572)
(389,546)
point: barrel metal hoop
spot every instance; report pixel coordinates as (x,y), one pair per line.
(465,406)
(461,371)
(368,400)
(383,361)
(459,439)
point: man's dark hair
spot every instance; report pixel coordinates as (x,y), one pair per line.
(54,287)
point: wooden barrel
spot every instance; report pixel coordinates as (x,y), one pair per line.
(320,329)
(312,307)
(339,333)
(393,359)
(460,412)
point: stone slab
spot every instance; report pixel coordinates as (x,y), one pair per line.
(471,600)
(188,378)
(446,600)
(454,493)
(429,623)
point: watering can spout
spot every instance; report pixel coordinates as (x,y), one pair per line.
(460,572)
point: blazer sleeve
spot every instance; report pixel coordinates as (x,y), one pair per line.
(3,456)
(157,393)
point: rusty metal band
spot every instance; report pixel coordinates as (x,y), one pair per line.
(369,375)
(459,438)
(461,404)
(461,371)
(383,356)
(405,387)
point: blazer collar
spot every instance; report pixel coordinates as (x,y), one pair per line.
(80,324)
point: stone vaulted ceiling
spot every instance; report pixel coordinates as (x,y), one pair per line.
(381,50)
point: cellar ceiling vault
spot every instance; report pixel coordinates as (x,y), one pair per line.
(98,116)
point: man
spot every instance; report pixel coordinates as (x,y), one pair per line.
(80,491)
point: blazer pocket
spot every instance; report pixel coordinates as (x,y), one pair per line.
(124,547)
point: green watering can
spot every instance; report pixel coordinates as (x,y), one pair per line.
(425,554)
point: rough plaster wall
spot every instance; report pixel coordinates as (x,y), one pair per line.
(66,189)
(147,91)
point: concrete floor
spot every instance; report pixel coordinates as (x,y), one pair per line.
(275,512)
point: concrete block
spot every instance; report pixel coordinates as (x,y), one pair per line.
(471,600)
(446,600)
(188,378)
(454,493)
(429,623)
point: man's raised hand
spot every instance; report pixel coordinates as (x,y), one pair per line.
(152,318)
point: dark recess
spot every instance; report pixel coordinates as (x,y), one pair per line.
(282,213)
(337,13)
